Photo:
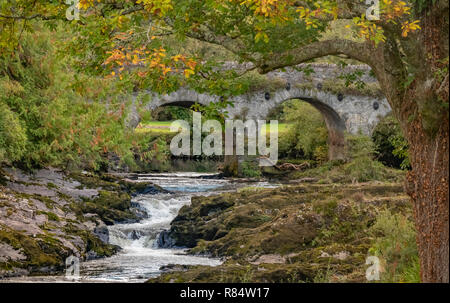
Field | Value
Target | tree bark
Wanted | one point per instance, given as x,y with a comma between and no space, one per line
425,119
427,184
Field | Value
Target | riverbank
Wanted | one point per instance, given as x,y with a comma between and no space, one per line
319,226
50,215
306,232
140,257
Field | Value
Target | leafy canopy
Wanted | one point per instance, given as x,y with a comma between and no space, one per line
127,39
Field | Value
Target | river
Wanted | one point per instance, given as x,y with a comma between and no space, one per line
140,257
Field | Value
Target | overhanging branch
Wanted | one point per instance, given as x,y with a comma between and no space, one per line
361,51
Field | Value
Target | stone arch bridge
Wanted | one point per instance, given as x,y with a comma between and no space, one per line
344,110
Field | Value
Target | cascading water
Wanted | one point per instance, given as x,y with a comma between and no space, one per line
140,257
162,208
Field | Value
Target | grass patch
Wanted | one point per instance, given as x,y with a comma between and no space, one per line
282,128
156,127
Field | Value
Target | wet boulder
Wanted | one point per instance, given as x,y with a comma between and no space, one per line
102,233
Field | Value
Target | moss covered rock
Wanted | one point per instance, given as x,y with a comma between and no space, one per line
309,233
47,216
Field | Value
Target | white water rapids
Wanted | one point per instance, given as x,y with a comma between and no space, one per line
140,257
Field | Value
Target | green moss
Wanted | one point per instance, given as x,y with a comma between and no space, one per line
4,178
51,185
326,208
337,86
257,82
362,169
120,201
94,181
93,243
42,251
109,182
49,203
111,207
242,273
321,231
50,215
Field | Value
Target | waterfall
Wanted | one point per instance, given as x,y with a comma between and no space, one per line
140,257
161,208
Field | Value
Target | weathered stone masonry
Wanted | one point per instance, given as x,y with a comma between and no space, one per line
351,112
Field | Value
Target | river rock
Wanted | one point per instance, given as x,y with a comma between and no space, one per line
173,267
139,211
47,216
102,233
164,240
294,233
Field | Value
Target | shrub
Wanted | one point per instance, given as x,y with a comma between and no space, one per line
395,244
321,153
12,135
250,169
361,152
50,115
307,134
391,146
169,113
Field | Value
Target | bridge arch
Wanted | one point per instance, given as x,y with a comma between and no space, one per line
342,113
335,126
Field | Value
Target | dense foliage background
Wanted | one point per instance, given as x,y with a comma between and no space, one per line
53,114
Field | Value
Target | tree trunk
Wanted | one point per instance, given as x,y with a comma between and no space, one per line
427,130
231,166
427,184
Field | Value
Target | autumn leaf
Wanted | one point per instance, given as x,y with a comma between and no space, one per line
188,73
